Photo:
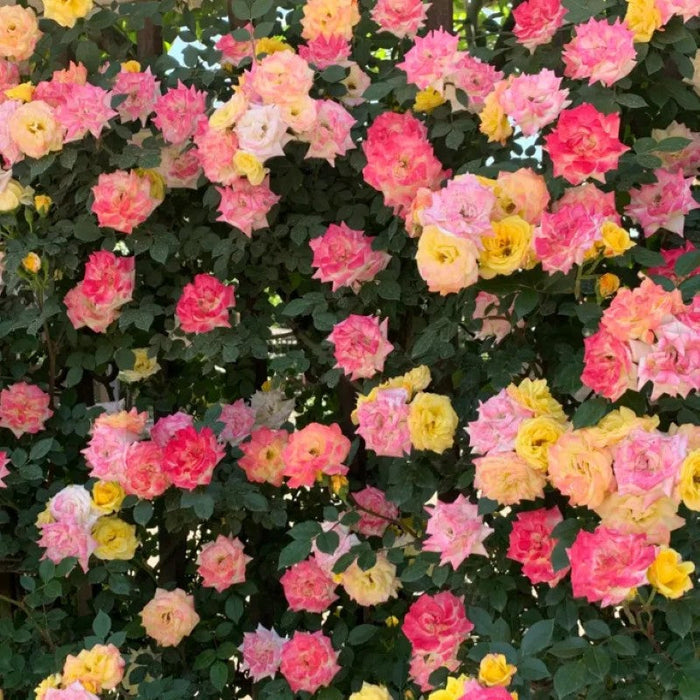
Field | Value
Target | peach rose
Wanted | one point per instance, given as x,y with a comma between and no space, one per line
169,617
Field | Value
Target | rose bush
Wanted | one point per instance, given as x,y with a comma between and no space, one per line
349,353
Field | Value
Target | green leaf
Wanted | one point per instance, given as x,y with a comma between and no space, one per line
623,645
296,307
293,553
569,678
305,531
40,449
143,511
204,659
631,100
590,412
234,608
532,669
672,144
597,662
101,625
537,637
596,629
525,302
579,11
333,74
218,674
361,634
679,617
327,542
687,263
646,257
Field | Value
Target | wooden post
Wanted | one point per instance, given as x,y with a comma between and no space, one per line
440,15
149,42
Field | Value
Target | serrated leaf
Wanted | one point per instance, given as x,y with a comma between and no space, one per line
361,634
294,552
218,674
590,412
569,678
537,637
687,263
101,625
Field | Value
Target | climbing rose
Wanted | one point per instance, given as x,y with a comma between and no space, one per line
238,419
35,130
204,305
313,451
123,200
431,59
24,408
361,345
75,691
308,587
179,112
190,456
402,18
4,471
375,511
86,110
608,367
167,426
222,563
19,32
169,617
309,661
345,257
99,668
326,51
606,565
246,206
537,21
262,456
383,423
584,144
144,476
141,89
329,18
531,543
66,538
262,653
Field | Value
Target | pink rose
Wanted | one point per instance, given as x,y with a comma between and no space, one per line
169,617
75,691
238,419
246,206
309,661
86,110
4,471
361,345
262,653
179,111
262,456
383,423
74,504
142,90
67,538
313,451
584,144
222,563
330,135
144,476
326,51
308,587
122,200
608,367
402,18
167,426
375,511
537,21
24,408
190,456
204,305
431,58
497,425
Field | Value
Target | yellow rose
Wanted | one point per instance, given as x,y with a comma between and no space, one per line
35,129
447,263
635,514
97,669
617,424
31,262
453,690
643,18
669,575
131,67
22,92
615,239
115,538
249,166
45,517
66,12
432,422
427,100
534,437
228,114
270,44
690,481
53,681
369,691
494,122
374,586
107,496
608,284
495,670
42,204
10,196
507,249
144,367
535,395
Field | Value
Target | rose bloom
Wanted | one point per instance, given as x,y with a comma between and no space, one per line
373,586
534,437
495,671
447,263
507,478
86,110
689,485
222,563
606,565
456,531
122,200
107,497
109,279
179,111
369,691
422,666
75,691
169,617
179,167
262,456
35,130
402,18
262,132
144,476
534,101
600,51
584,144
581,468
4,471
330,135
493,120
262,653
497,424
507,247
238,419
534,394
521,193
204,305
608,367
246,206
66,12
531,543
663,204
431,59
326,51
477,78
684,157
116,539
619,423
190,456
65,538
494,323
24,408
345,257
309,661
643,18
74,504
432,422
437,624
361,345
167,426
281,78
375,511
537,21
669,575
19,32
329,18
100,668
308,587
671,256
383,423
313,451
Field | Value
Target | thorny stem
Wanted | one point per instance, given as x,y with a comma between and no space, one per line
42,630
